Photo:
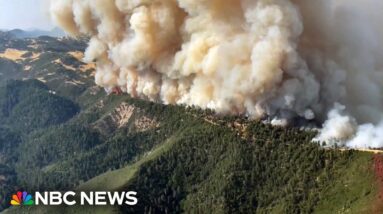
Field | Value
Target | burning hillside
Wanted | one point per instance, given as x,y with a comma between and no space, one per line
283,59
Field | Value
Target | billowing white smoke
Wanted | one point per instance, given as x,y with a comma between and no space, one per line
278,58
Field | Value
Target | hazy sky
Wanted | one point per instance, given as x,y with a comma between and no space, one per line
24,14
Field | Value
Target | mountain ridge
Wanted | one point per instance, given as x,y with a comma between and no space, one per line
33,33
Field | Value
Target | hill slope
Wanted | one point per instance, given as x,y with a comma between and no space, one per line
61,132
190,164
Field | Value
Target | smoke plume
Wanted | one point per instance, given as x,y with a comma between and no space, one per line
285,59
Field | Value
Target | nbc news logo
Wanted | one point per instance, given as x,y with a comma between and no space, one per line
72,198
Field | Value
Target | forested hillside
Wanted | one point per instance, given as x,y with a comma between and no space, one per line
61,132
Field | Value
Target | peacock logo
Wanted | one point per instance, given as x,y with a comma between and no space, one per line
22,199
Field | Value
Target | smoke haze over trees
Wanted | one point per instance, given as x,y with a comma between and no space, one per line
317,60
